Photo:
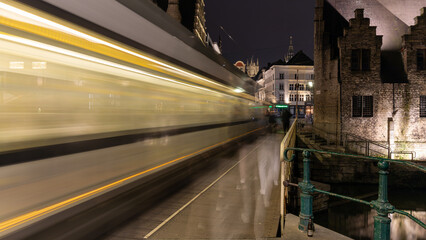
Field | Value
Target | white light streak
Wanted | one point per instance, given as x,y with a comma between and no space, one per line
92,59
100,41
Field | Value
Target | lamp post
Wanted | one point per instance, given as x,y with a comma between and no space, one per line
297,94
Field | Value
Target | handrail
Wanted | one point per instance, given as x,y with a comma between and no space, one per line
289,140
381,205
403,162
366,140
368,143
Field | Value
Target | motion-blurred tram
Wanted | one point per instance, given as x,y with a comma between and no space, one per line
96,97
62,83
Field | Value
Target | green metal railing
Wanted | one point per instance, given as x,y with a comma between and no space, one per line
381,205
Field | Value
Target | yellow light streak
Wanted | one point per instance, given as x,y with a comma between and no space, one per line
14,222
88,37
93,59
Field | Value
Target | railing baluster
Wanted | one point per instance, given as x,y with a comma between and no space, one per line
306,198
381,205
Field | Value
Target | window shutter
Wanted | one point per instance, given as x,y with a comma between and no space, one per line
356,106
355,59
366,57
367,108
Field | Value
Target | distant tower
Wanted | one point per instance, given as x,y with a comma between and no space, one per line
252,68
200,21
290,52
173,10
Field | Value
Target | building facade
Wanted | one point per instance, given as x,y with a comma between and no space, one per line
291,83
190,13
371,79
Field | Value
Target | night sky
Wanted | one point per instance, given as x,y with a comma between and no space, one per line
261,28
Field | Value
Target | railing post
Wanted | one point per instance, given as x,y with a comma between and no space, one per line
381,205
306,198
367,148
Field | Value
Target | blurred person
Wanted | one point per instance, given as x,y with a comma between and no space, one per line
285,116
272,122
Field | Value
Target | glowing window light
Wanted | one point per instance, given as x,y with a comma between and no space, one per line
238,90
39,65
97,40
16,65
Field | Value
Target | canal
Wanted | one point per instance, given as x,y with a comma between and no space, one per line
356,220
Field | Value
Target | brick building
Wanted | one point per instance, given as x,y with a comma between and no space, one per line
370,74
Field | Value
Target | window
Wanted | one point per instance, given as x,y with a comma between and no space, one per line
296,76
421,63
301,86
422,106
362,106
312,76
281,97
301,98
308,98
281,86
291,97
281,75
291,86
360,59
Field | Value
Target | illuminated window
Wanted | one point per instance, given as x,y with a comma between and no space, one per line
422,106
291,86
421,63
281,75
360,59
16,65
362,106
281,86
39,65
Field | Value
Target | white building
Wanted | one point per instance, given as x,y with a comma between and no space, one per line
260,95
291,83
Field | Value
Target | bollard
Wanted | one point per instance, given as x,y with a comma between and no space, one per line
306,198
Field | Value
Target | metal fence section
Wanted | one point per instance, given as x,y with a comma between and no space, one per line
381,205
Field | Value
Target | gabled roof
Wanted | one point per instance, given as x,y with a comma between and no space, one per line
300,59
259,74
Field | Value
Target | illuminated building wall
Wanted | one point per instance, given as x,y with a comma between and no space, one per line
370,81
281,80
190,13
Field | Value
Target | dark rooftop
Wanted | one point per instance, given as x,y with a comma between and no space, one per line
300,59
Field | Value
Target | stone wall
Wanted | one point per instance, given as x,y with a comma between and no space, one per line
328,26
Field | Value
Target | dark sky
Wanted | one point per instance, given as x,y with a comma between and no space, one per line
261,28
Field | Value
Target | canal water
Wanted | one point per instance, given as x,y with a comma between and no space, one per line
356,220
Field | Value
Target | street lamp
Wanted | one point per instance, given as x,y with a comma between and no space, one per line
297,94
